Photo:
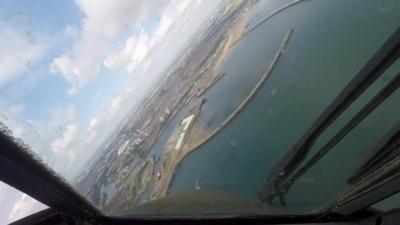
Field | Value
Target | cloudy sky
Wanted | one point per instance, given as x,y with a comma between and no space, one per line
15,205
71,69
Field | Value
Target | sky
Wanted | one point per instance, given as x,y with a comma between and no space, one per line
15,205
71,70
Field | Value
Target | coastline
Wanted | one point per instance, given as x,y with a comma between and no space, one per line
172,162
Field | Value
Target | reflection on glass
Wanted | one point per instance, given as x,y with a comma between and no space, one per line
190,104
16,205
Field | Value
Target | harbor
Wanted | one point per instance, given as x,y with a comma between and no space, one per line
175,150
173,156
261,93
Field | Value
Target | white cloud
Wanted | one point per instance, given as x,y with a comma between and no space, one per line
33,133
110,115
135,50
63,144
25,206
19,51
179,21
82,64
53,139
61,141
60,116
110,18
103,22
8,198
64,148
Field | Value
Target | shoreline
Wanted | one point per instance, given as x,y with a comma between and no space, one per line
172,156
162,187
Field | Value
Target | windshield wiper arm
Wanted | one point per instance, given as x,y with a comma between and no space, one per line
382,59
360,116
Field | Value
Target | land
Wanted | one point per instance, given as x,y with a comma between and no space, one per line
175,150
173,156
125,173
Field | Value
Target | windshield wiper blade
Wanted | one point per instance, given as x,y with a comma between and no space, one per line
389,89
386,152
388,53
384,182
